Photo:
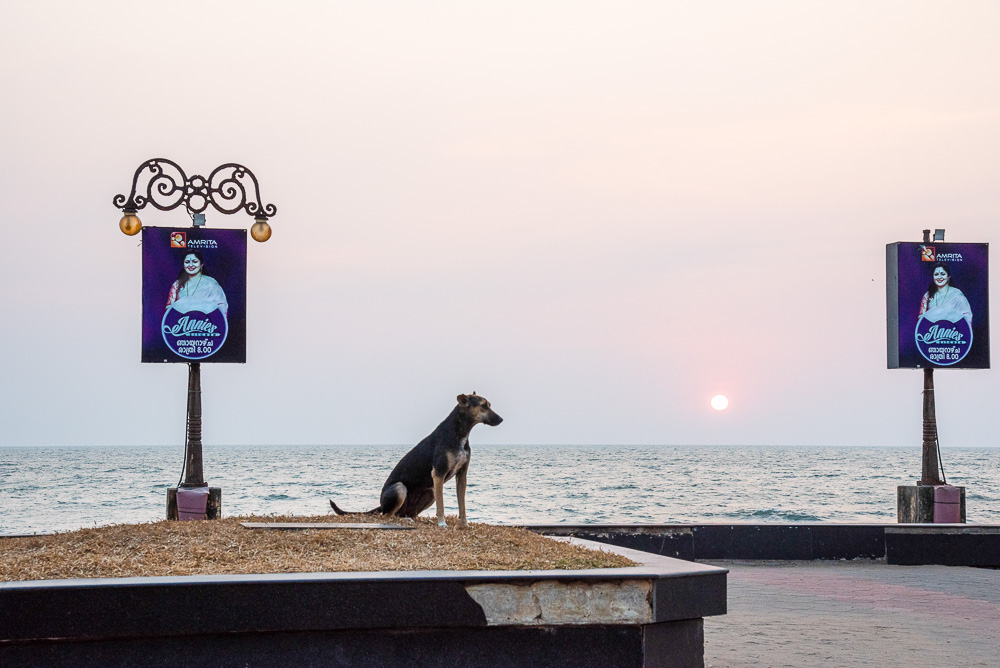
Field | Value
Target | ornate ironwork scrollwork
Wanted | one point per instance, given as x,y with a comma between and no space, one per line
229,188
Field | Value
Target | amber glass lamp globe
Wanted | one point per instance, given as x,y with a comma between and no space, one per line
130,223
260,231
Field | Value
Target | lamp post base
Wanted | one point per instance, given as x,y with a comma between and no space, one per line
930,504
196,503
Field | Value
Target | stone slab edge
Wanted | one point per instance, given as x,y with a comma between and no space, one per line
303,526
623,601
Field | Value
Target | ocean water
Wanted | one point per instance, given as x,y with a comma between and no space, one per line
60,489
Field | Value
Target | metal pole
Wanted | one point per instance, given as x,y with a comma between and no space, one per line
194,474
929,470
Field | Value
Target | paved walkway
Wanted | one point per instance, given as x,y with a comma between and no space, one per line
839,613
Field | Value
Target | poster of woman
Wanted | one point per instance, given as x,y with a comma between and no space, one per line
194,295
194,290
938,305
944,330
944,301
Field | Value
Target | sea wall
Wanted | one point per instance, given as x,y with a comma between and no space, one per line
903,544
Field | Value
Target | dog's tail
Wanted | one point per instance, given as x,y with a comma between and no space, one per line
345,512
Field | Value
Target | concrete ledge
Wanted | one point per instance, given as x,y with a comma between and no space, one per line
373,618
943,544
946,544
695,542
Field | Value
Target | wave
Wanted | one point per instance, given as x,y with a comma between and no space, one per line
783,515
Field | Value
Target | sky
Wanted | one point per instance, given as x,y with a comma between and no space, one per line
596,214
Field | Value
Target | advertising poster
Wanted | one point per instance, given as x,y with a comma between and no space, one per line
194,295
938,305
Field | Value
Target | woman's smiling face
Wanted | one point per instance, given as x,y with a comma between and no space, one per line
192,265
940,277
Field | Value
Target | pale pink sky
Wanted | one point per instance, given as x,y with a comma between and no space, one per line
596,214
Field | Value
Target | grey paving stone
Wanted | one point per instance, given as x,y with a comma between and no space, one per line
858,613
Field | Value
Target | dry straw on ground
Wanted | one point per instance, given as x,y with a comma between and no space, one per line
224,546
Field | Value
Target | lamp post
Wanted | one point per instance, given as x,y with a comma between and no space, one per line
942,339
229,188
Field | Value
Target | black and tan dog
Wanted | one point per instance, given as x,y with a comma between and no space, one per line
419,477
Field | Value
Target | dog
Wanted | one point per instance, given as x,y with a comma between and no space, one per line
419,477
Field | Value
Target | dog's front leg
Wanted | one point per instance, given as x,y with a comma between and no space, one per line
460,479
439,497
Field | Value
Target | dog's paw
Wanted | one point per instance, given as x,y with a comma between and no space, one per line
462,524
442,523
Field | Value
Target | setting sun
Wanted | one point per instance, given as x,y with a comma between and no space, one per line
720,402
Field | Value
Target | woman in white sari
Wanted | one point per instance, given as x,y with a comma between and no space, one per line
194,291
943,301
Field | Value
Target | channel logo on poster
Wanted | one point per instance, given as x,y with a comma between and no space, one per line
178,239
927,253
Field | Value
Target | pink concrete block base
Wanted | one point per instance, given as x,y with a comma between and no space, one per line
947,504
192,503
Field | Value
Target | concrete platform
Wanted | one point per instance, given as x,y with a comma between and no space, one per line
647,616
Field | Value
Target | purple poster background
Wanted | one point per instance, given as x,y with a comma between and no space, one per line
952,342
209,326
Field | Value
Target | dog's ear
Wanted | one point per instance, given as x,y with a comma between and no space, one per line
463,400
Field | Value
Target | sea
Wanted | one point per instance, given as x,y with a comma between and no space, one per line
57,489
